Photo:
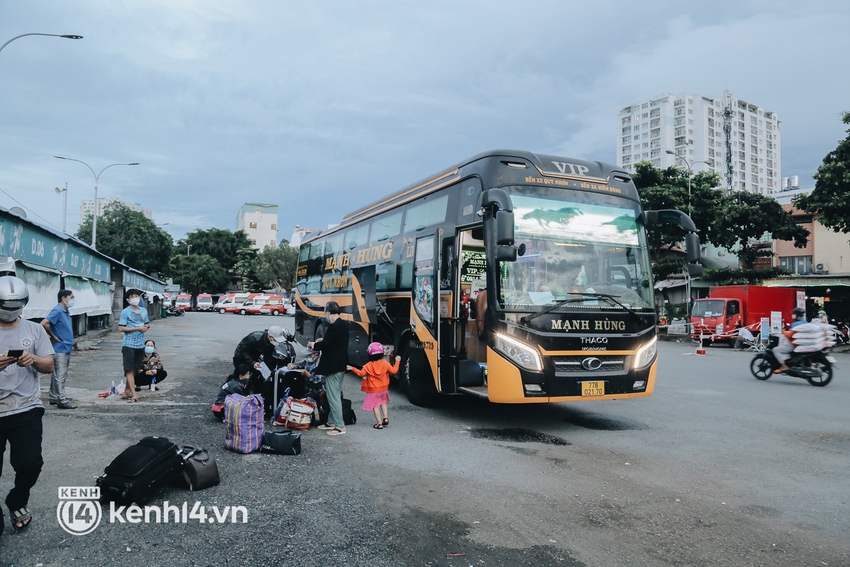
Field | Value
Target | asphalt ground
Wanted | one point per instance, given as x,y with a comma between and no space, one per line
716,468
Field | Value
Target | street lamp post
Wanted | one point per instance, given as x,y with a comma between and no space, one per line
690,165
65,36
65,213
96,179
188,247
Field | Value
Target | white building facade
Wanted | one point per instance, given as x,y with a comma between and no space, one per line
737,139
87,207
259,221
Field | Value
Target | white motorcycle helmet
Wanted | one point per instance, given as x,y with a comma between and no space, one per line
14,295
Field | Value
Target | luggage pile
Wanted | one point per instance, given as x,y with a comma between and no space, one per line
142,470
812,337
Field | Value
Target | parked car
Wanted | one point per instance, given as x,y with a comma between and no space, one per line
236,306
272,306
204,302
229,300
184,302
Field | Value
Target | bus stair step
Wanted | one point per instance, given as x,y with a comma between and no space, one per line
477,391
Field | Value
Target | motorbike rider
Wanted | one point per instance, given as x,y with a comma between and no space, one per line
785,348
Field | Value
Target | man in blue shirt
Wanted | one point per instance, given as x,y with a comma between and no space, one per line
61,333
133,323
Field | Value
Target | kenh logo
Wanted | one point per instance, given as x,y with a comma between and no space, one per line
79,510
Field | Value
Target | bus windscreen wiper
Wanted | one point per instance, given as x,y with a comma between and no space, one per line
558,303
580,296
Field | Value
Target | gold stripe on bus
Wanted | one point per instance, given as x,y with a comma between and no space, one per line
375,213
403,193
424,337
340,301
361,302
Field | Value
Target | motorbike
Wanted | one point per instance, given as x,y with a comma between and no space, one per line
172,311
842,332
816,367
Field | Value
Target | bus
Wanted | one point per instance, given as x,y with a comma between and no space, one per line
511,276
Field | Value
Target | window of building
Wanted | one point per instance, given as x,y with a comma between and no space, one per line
252,225
253,242
796,264
273,242
274,226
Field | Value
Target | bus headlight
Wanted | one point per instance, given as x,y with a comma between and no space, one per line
522,354
646,353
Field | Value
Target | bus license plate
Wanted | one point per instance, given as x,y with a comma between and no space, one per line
593,388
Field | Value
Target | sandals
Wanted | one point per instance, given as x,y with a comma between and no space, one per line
22,516
378,426
336,431
386,421
327,426
132,400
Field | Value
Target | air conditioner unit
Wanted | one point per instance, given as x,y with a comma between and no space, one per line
822,268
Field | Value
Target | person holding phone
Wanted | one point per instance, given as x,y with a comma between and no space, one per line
61,333
25,350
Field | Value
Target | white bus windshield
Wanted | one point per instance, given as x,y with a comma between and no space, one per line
576,243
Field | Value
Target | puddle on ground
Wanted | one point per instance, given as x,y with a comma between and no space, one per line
604,423
518,435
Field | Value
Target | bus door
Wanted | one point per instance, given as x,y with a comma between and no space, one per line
423,363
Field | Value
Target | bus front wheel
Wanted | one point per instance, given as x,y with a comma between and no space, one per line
416,396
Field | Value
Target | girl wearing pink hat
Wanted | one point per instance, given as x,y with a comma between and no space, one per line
376,383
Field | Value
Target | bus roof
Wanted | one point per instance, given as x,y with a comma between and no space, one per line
512,168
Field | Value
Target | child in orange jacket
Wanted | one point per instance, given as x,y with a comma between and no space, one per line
376,383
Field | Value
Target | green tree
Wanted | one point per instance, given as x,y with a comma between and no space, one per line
275,266
745,217
223,245
131,237
734,221
198,273
830,200
244,267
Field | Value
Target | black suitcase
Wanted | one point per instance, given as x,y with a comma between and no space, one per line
348,415
276,385
140,471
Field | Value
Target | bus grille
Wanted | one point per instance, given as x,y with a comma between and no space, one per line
589,365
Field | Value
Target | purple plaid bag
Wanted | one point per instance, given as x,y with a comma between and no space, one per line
243,417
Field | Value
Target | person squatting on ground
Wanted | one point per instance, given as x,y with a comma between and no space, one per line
376,383
61,333
314,384
237,383
133,323
151,372
26,351
332,364
257,347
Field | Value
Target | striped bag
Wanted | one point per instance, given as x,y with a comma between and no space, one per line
243,417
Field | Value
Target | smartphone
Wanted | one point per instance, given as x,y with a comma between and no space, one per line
15,353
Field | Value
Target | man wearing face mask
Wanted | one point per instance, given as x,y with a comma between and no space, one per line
24,352
61,333
133,323
253,349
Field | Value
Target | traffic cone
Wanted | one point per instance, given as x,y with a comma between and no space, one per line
700,348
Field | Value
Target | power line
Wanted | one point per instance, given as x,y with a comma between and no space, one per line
33,212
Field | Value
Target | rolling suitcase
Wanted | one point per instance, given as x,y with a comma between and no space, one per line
140,471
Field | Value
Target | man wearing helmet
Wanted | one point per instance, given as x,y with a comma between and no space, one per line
785,348
25,350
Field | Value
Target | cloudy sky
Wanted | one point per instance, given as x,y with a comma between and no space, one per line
323,106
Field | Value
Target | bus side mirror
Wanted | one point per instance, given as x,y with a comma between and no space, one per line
504,228
506,253
692,247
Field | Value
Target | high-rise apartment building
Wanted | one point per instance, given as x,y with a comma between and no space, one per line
259,221
737,139
87,207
